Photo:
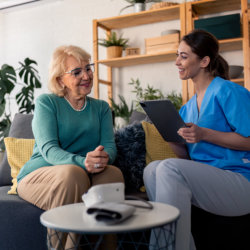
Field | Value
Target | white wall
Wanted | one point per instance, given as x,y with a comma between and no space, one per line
37,29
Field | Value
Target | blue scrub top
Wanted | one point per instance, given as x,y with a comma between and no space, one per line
225,107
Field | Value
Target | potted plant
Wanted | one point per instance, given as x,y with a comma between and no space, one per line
139,5
115,45
151,93
25,76
121,111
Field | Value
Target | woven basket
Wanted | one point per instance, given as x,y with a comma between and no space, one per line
162,5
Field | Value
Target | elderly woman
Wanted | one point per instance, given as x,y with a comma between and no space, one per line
74,140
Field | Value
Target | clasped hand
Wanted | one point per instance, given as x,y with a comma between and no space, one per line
96,160
192,133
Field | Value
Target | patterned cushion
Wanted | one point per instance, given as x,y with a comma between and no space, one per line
156,147
19,152
20,128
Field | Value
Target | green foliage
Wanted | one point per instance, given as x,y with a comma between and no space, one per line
114,40
151,93
26,76
176,99
122,109
141,1
136,1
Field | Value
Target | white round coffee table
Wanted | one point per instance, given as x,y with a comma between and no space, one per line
74,218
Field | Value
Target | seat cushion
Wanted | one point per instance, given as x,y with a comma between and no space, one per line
20,223
20,128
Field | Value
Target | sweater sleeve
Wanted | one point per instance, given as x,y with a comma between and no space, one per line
107,133
45,129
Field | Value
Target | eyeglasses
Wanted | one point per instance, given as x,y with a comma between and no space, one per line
78,72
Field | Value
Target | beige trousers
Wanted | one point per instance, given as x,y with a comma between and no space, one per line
54,186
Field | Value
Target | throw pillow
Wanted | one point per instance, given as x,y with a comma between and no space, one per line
20,128
156,147
19,151
130,143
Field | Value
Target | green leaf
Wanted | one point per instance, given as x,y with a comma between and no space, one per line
151,93
7,78
29,74
122,109
25,100
114,40
2,107
4,131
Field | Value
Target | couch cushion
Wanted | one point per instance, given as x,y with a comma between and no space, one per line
19,151
20,128
156,147
136,116
20,222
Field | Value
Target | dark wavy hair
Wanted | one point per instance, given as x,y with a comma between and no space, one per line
204,44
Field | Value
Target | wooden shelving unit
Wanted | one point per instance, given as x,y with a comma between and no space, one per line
176,12
195,10
186,13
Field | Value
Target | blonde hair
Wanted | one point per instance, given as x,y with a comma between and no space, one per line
58,65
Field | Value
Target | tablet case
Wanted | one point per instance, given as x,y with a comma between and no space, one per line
165,117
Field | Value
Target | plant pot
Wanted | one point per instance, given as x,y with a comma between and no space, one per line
114,51
138,7
120,122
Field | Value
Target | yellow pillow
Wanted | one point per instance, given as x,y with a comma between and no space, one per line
156,147
19,152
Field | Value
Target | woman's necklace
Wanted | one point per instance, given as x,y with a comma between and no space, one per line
81,109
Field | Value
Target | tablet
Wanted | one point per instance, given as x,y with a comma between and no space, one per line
165,117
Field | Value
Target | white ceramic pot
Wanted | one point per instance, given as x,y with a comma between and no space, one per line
149,5
120,122
138,7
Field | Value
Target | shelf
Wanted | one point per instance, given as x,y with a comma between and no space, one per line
238,80
139,59
231,44
225,45
144,17
205,7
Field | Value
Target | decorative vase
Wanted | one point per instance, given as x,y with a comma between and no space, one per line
114,51
120,122
138,7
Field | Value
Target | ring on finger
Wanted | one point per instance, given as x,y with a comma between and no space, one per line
96,165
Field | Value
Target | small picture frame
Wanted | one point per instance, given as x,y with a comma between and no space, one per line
132,51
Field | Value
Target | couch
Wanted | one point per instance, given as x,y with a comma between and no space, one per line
20,227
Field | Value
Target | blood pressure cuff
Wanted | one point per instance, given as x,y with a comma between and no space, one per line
110,212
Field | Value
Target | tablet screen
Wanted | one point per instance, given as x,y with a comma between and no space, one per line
165,117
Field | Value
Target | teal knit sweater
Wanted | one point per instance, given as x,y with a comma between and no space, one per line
65,136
